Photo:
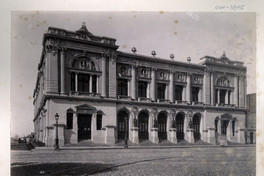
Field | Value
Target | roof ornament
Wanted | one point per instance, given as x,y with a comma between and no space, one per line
134,50
224,54
153,53
172,57
84,30
189,59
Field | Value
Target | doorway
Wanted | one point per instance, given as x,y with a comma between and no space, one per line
84,126
143,125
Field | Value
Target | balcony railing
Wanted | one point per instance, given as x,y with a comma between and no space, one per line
144,99
181,102
197,103
163,100
81,93
124,97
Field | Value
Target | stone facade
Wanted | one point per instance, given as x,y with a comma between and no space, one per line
105,95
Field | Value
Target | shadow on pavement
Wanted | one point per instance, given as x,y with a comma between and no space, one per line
61,169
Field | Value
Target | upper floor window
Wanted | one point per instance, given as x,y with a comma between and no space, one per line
161,91
122,87
178,92
222,96
195,92
83,82
142,89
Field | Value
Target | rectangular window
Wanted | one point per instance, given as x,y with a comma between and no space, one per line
72,82
122,87
69,120
94,83
99,122
178,92
83,82
161,91
222,96
233,128
142,89
195,92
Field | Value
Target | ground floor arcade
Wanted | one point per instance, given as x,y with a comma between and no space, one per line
110,123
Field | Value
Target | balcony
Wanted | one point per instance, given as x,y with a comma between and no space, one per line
163,101
196,103
144,99
225,105
80,93
180,102
124,97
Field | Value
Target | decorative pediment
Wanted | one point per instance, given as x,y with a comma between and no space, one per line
223,82
144,72
180,77
123,70
85,109
197,79
226,116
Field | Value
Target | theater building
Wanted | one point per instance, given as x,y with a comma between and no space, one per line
104,95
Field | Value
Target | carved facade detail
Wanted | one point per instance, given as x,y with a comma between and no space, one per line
180,77
197,79
144,72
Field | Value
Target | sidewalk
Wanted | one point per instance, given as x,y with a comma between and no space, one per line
94,147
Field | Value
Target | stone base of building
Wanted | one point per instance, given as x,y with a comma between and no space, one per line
189,136
154,135
173,135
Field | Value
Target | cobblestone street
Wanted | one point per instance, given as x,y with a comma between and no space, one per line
170,161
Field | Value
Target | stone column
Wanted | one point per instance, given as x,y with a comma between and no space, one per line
200,99
133,84
235,95
90,83
188,88
241,136
212,89
62,71
103,83
218,96
226,97
206,87
153,84
154,135
97,84
171,87
76,82
148,90
241,90
184,93
74,136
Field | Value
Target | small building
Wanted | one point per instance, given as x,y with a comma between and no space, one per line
105,95
251,119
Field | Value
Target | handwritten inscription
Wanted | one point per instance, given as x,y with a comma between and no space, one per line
230,7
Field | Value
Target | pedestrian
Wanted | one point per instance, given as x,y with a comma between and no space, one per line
19,141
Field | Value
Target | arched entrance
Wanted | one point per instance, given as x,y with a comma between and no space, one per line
162,125
180,125
122,124
143,118
196,127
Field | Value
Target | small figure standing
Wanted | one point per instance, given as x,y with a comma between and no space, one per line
19,141
190,124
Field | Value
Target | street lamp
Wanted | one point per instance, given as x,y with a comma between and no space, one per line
57,138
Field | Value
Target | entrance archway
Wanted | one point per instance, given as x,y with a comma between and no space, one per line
143,119
180,126
122,124
162,125
84,126
196,127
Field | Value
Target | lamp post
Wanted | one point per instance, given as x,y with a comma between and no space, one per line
57,138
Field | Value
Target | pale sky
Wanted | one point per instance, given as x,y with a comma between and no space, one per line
182,34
